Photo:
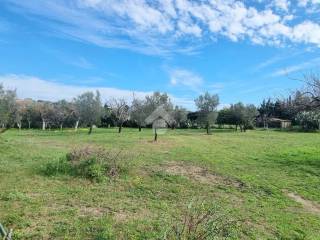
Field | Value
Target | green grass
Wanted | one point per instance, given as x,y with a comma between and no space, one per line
146,201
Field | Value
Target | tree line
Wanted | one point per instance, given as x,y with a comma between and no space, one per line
87,110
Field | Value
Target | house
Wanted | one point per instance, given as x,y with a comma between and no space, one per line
279,123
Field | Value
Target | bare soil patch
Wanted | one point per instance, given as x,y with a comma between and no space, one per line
125,216
93,211
200,174
308,206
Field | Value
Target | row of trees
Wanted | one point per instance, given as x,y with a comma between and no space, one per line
302,107
87,110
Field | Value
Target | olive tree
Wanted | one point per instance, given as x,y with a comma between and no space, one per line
46,112
120,109
89,108
157,99
63,110
207,105
138,112
179,115
7,107
244,115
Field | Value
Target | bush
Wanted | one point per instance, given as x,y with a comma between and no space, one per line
58,167
95,164
200,221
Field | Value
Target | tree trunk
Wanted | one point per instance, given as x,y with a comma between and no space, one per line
265,123
120,128
139,128
236,127
155,135
43,125
76,126
29,123
61,126
19,126
208,128
90,129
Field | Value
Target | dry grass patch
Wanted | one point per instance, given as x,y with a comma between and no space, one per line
125,216
308,206
96,212
200,174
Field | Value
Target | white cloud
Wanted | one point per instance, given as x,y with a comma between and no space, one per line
307,32
182,77
40,89
33,87
282,4
305,3
163,27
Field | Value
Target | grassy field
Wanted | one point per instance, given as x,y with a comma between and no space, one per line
268,181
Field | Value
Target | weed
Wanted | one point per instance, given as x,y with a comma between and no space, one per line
95,164
201,221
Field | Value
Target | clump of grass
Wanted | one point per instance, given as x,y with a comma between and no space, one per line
62,166
96,164
201,221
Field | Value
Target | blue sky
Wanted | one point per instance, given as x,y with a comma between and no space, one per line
242,50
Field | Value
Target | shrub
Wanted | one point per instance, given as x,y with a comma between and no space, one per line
96,164
309,120
58,167
201,222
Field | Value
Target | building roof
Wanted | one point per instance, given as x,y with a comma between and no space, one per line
279,120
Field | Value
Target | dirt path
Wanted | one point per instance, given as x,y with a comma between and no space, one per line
307,205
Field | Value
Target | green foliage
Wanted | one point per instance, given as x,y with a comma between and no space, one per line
138,112
207,102
95,164
92,169
207,105
309,120
62,166
240,115
8,107
202,221
89,108
180,117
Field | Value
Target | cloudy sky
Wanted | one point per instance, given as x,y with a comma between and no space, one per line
242,50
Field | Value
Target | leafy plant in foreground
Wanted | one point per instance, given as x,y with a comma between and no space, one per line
96,164
202,222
